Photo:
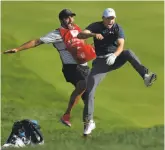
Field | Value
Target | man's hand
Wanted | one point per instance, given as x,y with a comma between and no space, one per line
99,36
111,59
10,51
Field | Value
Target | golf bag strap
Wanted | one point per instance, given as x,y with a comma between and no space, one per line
14,131
31,127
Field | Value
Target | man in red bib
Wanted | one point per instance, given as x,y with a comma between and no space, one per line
81,51
74,54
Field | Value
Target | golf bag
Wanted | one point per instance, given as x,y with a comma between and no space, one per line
24,132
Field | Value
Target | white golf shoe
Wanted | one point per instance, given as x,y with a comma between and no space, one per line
89,126
149,79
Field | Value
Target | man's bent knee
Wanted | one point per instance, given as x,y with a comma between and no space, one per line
127,52
81,85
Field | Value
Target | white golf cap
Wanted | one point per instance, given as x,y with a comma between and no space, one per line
109,12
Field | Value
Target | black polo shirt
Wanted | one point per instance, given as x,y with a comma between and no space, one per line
109,43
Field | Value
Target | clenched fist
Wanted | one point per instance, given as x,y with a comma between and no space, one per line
99,36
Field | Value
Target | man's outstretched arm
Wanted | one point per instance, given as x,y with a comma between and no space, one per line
27,45
87,34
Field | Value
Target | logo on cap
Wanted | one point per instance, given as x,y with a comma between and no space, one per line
109,12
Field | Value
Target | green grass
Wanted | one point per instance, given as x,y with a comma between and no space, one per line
128,115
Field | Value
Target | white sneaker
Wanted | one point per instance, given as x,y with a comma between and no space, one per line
149,79
89,126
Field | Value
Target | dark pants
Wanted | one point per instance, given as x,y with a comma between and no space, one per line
99,71
73,73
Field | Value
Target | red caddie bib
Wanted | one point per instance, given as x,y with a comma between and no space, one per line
80,51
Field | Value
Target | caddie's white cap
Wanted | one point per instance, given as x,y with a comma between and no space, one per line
109,12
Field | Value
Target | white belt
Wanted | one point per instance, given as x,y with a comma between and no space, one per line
103,56
85,64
